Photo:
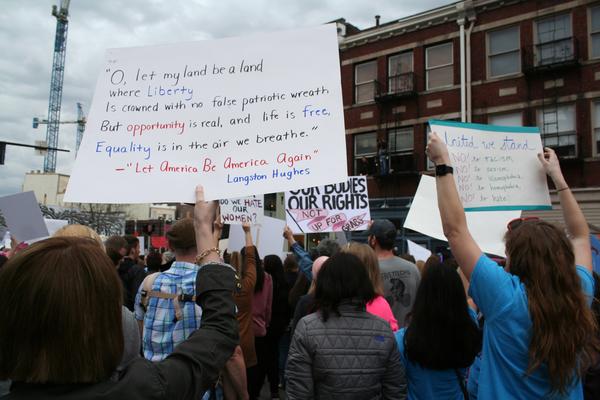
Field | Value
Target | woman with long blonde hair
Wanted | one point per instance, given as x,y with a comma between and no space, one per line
539,332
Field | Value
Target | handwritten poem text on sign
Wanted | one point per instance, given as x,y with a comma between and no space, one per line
495,168
330,208
240,116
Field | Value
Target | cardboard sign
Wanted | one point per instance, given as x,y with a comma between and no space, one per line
23,216
330,208
496,167
486,227
268,237
241,116
249,210
417,251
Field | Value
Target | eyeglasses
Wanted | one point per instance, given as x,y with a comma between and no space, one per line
517,222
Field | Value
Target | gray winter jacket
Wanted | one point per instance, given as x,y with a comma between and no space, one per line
353,356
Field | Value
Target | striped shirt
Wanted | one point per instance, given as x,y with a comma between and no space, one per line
162,332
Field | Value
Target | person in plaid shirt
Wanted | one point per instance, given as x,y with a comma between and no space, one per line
166,322
166,309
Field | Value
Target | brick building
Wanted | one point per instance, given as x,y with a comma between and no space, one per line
530,63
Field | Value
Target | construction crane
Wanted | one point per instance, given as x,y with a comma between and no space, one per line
80,121
56,82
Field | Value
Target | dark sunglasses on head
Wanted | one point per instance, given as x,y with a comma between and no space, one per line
517,222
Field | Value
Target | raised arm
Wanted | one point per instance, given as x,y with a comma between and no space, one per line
304,261
454,221
217,227
249,277
195,363
575,222
204,218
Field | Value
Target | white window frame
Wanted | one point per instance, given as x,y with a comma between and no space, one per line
357,84
595,129
389,69
367,155
489,55
592,33
520,113
559,133
537,44
427,68
401,152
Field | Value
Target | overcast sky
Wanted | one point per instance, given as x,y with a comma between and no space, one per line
27,31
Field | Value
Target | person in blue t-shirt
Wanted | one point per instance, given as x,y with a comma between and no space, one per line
442,338
539,332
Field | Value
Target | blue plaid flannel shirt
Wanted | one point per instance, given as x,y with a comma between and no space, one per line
162,332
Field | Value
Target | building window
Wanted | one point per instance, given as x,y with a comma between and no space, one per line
557,126
595,32
270,202
503,52
365,153
438,62
512,119
554,40
365,76
400,149
400,77
596,137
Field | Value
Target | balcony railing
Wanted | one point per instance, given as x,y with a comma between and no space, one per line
401,85
555,54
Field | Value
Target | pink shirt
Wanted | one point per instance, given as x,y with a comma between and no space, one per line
261,307
381,308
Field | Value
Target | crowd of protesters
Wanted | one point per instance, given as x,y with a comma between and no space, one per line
84,318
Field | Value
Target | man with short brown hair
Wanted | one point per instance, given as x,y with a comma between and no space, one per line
165,305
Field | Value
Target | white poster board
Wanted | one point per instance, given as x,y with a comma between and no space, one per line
23,216
486,227
241,116
417,251
268,237
331,208
496,167
242,210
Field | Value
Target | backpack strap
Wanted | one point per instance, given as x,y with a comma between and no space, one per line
147,292
146,289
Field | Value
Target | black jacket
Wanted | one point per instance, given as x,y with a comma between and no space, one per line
132,276
186,373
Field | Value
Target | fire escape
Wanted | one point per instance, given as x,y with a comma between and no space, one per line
546,63
390,96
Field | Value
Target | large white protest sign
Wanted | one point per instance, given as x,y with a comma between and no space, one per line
496,167
486,227
241,116
338,207
268,237
242,210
